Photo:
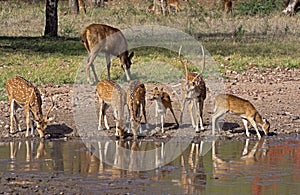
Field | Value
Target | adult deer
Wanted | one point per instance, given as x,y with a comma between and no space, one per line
111,41
22,93
229,103
136,100
111,93
194,94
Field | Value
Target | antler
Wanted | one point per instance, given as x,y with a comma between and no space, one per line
50,108
203,65
183,64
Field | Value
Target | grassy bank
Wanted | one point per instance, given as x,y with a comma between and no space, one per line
234,41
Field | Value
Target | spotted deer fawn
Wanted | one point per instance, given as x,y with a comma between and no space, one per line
111,41
163,102
136,102
22,93
111,94
194,94
229,103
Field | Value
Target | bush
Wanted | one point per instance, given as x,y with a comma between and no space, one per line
258,7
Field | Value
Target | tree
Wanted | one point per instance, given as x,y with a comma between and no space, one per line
51,18
73,6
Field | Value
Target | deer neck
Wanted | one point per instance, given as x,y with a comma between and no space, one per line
258,119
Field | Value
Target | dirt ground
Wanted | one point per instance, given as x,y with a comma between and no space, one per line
274,92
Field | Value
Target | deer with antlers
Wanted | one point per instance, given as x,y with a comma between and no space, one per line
229,103
111,41
111,93
22,93
193,94
136,101
163,102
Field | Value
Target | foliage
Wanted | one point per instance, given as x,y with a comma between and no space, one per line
258,7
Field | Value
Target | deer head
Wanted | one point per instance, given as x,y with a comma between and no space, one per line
22,93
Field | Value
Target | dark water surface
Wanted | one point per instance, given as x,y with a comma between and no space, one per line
266,166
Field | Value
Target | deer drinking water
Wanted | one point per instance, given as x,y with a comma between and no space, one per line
229,103
111,93
22,93
111,41
194,94
136,101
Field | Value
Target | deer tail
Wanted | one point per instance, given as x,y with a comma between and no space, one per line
84,40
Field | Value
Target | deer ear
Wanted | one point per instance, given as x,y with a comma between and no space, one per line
162,89
155,88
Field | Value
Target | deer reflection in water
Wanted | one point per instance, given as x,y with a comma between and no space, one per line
15,150
223,170
123,158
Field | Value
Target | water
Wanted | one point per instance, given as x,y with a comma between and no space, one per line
268,166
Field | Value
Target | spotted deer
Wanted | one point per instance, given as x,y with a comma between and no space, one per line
160,4
174,4
163,102
22,93
136,102
81,5
193,94
225,103
111,94
111,41
228,6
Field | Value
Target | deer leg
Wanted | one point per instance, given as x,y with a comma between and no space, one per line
90,64
94,72
201,114
107,56
196,106
215,117
31,125
27,121
156,115
117,118
13,117
172,111
100,115
245,122
253,123
105,117
190,107
162,122
181,112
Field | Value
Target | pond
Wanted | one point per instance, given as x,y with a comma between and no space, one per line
238,166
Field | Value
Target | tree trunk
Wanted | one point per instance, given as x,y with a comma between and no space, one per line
73,7
51,18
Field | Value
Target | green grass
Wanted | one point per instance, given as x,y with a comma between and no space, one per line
269,41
